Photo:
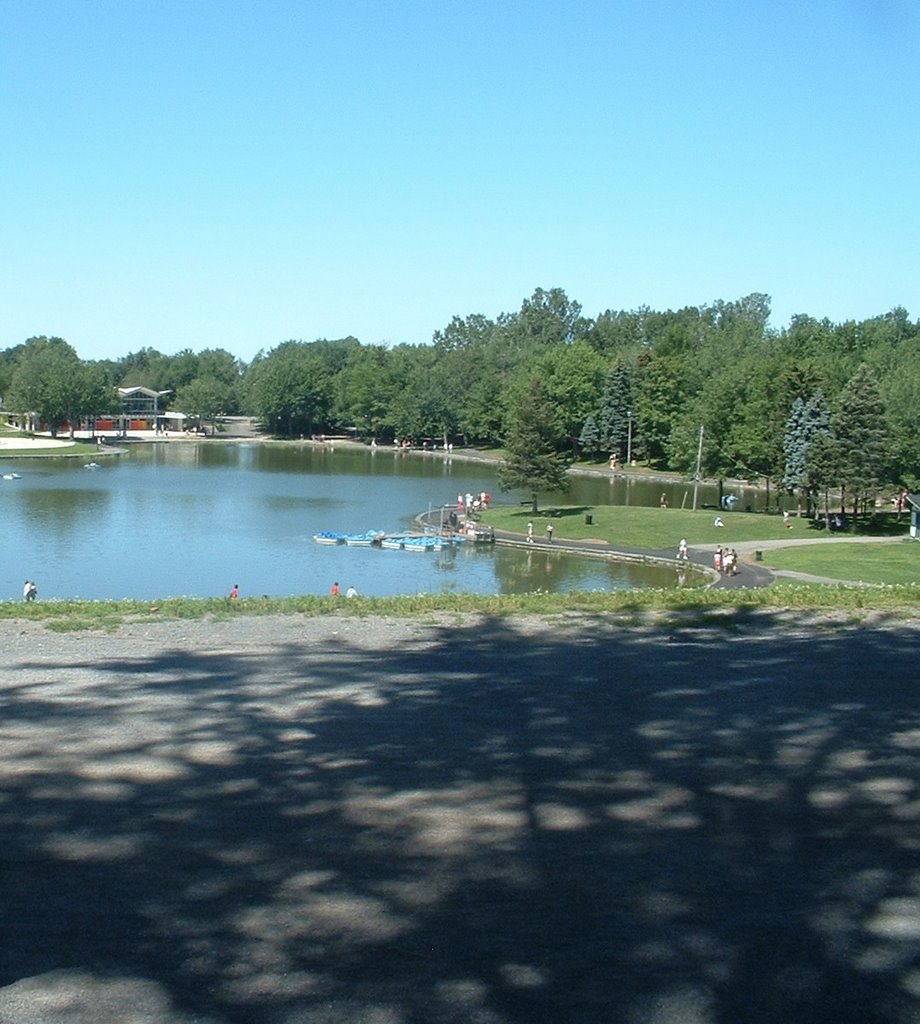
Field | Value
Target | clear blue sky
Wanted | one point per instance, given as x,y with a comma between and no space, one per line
230,174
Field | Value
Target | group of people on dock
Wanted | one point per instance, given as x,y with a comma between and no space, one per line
469,502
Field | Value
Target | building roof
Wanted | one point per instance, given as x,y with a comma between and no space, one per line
128,392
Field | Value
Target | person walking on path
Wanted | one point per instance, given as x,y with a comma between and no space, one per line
682,552
549,533
530,533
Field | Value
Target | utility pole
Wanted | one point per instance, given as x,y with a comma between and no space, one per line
699,462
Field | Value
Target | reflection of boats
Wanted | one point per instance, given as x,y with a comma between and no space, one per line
327,537
363,540
92,465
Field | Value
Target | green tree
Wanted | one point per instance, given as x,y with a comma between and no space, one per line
660,393
292,388
589,440
363,392
862,431
825,463
571,376
47,382
95,391
534,462
807,421
550,318
205,398
618,411
9,359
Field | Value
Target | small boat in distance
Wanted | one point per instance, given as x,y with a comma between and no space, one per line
364,540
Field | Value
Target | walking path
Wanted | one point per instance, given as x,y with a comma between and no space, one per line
750,573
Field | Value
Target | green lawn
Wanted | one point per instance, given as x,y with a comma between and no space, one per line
70,451
651,528
27,451
867,563
655,529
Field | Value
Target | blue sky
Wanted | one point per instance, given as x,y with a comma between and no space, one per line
235,174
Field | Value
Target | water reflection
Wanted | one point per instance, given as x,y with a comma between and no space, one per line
192,519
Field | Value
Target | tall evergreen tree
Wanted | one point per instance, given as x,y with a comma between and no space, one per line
589,440
534,461
618,409
861,429
807,420
824,464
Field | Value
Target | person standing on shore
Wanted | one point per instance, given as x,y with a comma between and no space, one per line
235,592
29,590
334,591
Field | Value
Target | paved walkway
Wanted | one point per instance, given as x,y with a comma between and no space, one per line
750,573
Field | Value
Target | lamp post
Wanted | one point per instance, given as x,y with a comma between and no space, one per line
629,440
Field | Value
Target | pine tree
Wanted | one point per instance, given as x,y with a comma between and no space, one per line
589,440
617,409
807,420
534,461
824,465
862,432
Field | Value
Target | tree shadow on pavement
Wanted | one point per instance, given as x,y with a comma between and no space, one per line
498,821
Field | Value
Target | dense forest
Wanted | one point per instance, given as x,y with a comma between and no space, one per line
816,408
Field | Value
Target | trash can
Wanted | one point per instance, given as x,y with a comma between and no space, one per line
758,556
589,519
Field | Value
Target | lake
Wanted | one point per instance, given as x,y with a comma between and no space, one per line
191,519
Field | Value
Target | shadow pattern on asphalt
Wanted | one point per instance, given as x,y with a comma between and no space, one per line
502,821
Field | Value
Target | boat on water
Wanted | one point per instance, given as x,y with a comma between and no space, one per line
364,540
328,537
425,543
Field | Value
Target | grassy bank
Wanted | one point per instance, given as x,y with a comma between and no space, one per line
661,529
24,446
867,563
65,616
656,529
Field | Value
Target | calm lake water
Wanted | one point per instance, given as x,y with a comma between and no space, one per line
193,519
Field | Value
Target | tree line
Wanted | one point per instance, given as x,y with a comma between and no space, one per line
816,408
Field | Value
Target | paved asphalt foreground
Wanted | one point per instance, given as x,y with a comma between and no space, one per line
709,819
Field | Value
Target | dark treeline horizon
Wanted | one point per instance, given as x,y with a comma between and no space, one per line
641,382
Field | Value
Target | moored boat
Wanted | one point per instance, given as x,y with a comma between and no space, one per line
425,543
364,540
328,537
